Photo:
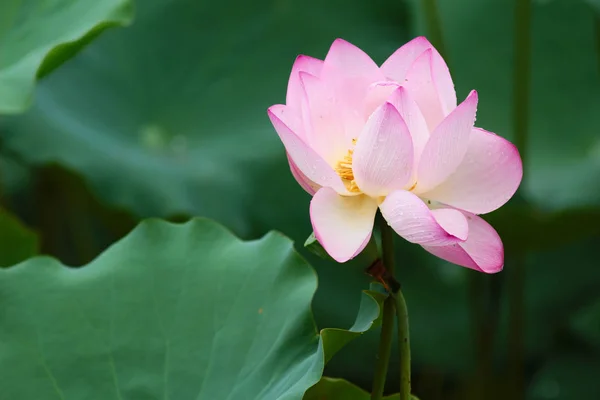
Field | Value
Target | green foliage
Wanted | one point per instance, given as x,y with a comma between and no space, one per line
586,323
176,311
339,389
175,106
369,316
567,377
38,36
312,245
17,242
167,118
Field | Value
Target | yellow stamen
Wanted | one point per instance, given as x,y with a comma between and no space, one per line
344,170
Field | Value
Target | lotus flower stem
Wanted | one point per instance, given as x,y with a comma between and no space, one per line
387,246
597,35
393,303
387,324
385,348
516,278
403,346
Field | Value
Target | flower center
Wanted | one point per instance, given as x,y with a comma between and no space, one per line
344,170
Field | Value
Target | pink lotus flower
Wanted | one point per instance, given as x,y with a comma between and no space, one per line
361,137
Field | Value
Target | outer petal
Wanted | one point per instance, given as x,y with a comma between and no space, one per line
306,159
488,176
447,146
309,186
398,64
414,221
383,157
295,91
342,224
323,120
291,118
483,250
410,112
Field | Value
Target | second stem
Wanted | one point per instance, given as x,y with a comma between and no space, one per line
387,321
394,302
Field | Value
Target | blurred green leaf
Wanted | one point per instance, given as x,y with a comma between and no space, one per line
595,4
17,242
339,389
524,228
184,126
586,323
180,311
561,282
36,37
567,378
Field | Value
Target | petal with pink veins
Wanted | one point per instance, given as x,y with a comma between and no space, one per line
410,112
342,224
295,91
447,146
309,186
410,217
488,176
398,64
482,251
306,159
383,156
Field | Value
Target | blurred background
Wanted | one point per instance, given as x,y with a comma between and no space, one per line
167,118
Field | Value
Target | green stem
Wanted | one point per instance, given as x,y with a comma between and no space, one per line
403,345
484,300
387,246
475,299
387,324
522,69
394,302
434,26
516,278
597,35
385,349
516,345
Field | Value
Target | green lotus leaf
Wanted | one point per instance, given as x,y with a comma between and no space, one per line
38,36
